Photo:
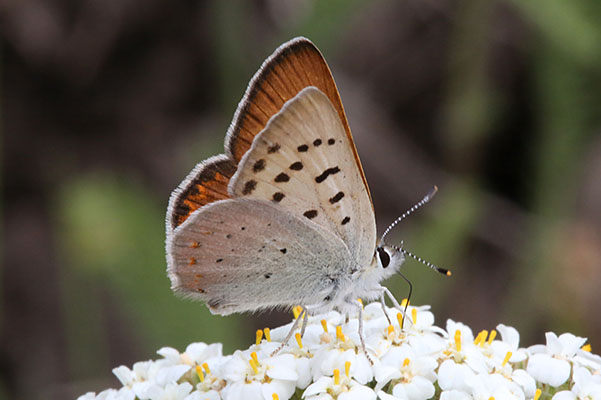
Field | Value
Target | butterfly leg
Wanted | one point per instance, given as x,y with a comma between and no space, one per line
396,304
383,303
379,292
305,320
359,308
301,315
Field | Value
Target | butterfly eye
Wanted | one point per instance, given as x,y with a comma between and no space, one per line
384,257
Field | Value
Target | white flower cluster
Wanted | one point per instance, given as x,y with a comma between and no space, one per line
420,361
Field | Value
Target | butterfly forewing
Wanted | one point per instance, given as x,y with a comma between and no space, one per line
246,254
303,162
292,67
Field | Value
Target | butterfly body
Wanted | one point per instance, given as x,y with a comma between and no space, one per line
284,217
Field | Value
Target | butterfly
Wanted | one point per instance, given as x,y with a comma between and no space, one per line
285,216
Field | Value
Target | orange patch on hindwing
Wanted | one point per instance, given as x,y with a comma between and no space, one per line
206,184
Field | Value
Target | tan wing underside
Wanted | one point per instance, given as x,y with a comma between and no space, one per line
263,257
303,162
292,67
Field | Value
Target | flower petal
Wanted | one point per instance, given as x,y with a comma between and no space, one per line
564,395
358,392
454,395
549,370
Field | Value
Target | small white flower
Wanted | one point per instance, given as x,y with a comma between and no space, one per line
171,391
337,387
587,359
339,346
200,353
170,354
422,321
412,376
326,362
121,394
550,364
461,348
170,374
249,377
139,373
485,386
564,395
565,345
210,395
455,395
453,376
586,385
110,394
510,341
525,381
548,370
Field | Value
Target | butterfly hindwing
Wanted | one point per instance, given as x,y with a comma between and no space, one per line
243,254
206,184
303,161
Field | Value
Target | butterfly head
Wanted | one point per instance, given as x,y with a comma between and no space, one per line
389,259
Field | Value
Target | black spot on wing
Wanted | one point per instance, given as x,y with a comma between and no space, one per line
297,166
259,165
249,187
283,251
346,220
310,214
267,275
317,142
302,148
331,141
282,177
219,260
274,148
337,197
278,196
326,173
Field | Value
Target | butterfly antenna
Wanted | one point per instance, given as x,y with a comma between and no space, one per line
426,263
423,201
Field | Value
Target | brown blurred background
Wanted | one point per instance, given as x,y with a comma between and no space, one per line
107,105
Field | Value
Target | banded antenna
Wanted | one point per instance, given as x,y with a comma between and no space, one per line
443,271
423,201
426,263
407,213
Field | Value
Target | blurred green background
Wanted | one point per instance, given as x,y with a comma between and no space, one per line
106,106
